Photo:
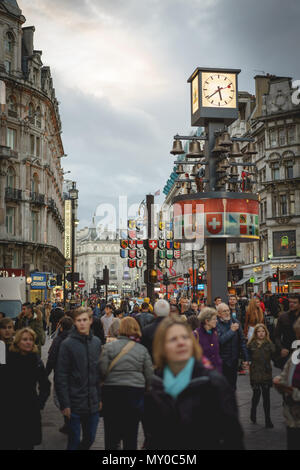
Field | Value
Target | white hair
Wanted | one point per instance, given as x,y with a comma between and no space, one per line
162,308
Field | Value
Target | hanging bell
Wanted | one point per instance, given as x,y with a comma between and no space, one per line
179,169
251,148
225,140
224,163
194,150
218,147
178,184
177,148
234,171
235,150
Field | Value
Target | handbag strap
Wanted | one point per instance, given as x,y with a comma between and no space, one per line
123,351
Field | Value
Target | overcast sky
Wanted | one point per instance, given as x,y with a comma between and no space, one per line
120,70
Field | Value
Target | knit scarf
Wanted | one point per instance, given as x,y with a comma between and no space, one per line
174,385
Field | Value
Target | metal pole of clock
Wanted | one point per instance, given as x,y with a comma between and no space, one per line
215,247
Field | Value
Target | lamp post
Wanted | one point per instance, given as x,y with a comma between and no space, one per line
73,194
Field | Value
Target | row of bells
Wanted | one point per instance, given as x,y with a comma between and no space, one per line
222,144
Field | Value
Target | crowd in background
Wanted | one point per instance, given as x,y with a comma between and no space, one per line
167,366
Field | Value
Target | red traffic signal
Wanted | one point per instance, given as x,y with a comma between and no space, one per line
275,277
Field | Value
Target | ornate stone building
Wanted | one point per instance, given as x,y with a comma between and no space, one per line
273,120
97,248
31,177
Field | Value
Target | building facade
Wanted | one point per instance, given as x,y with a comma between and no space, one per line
31,177
273,120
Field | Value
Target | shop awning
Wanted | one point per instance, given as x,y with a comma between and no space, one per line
242,281
262,279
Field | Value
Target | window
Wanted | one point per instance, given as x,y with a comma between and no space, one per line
31,113
7,66
8,43
10,178
12,107
273,138
38,117
16,260
35,184
282,137
283,204
292,204
275,171
10,220
11,138
289,170
31,137
38,147
265,209
291,132
34,226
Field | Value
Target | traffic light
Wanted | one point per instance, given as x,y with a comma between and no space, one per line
166,280
275,277
59,280
153,276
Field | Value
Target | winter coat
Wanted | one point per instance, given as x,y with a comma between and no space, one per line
284,335
149,333
36,325
261,367
23,402
204,416
55,316
232,343
54,350
291,403
210,345
144,319
77,382
98,330
134,369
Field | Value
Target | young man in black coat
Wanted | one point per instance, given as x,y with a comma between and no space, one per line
284,332
78,380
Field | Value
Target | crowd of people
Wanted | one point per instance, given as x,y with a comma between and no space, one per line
168,366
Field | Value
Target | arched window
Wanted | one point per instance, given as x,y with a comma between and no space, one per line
10,178
9,43
35,183
38,117
12,106
31,113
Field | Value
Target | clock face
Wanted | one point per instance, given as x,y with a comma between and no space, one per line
218,90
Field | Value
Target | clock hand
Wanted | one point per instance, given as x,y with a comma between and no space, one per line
218,90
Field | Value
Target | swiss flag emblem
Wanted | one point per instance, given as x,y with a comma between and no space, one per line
153,244
214,223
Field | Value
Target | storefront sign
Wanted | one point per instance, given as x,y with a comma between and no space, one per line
39,281
12,272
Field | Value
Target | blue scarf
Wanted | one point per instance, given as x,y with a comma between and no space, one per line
174,385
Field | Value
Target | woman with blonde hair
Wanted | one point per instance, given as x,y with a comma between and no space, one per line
254,315
188,406
261,351
207,336
25,373
126,370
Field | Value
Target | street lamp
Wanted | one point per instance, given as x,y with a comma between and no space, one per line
73,195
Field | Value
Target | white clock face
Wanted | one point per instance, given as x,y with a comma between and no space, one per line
218,90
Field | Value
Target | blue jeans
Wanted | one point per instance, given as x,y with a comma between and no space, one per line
89,425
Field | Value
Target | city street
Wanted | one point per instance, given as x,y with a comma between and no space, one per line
256,436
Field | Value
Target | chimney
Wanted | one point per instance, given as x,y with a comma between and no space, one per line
261,88
28,33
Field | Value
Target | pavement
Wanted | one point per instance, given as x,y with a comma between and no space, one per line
257,437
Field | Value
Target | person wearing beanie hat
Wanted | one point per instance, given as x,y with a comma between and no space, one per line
161,310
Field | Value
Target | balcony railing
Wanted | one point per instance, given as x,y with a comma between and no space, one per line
37,198
12,194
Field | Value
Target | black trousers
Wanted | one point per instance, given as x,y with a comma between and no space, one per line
122,411
231,373
293,438
264,390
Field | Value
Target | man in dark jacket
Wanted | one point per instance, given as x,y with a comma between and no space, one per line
284,331
193,310
78,381
161,311
232,343
145,317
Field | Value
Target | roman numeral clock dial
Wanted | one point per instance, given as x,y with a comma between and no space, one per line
218,90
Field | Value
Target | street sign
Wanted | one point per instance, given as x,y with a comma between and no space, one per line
81,284
180,281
